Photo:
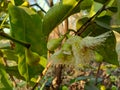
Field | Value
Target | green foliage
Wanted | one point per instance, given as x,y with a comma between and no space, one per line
58,13
86,4
32,58
5,83
81,50
23,67
101,1
28,22
90,86
107,50
13,70
18,2
93,40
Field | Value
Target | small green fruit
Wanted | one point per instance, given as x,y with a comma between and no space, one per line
67,49
32,58
54,43
98,57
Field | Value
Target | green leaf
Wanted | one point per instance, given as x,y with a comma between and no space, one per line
113,9
96,28
5,84
86,4
104,21
35,70
43,61
107,50
94,8
22,67
27,27
10,54
101,1
90,86
118,14
13,70
58,13
80,22
32,58
28,71
105,45
18,2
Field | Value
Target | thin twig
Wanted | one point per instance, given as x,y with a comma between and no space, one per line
41,75
38,7
6,17
88,22
66,25
27,45
97,75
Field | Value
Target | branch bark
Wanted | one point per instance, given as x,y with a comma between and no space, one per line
25,44
43,73
88,22
58,80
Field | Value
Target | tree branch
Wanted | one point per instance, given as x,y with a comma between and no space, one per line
43,73
38,7
97,75
88,22
27,45
66,25
58,73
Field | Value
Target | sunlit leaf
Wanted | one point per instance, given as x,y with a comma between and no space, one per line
22,67
26,26
43,61
5,83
